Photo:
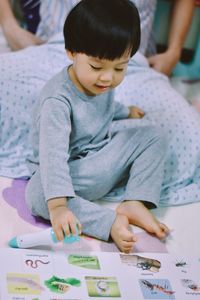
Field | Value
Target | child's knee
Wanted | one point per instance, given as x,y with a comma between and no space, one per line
158,136
28,196
35,199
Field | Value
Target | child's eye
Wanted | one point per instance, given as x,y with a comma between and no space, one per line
95,68
119,70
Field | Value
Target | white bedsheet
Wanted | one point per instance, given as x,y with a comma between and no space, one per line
184,221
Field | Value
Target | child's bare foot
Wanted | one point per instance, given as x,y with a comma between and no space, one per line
139,215
121,235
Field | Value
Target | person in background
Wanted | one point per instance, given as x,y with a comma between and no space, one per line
16,36
45,19
30,23
178,29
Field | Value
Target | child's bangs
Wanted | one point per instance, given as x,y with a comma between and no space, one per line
109,45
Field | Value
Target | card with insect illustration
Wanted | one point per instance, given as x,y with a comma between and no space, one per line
32,274
102,286
156,289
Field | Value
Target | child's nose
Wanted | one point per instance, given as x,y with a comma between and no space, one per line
106,76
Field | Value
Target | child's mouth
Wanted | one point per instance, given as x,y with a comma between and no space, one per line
102,87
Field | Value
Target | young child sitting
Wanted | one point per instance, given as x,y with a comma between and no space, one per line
76,157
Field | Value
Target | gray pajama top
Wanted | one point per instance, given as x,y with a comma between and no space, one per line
67,125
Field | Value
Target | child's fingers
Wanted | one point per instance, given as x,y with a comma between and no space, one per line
59,233
142,113
75,227
67,230
138,113
79,226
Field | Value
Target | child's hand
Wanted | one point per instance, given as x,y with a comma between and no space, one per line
62,219
135,112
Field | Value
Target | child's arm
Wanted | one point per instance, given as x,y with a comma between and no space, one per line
135,112
55,129
62,219
124,112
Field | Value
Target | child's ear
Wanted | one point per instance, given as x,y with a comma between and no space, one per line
70,55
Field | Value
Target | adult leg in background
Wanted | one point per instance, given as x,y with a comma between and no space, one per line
22,75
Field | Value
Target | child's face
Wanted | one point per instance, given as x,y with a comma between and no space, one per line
94,76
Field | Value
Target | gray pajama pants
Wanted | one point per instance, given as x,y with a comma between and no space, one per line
134,159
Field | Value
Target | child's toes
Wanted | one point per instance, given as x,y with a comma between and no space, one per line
131,239
164,228
161,230
127,246
164,231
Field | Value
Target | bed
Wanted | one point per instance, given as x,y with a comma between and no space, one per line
183,220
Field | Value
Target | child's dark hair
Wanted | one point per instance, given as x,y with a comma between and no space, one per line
103,28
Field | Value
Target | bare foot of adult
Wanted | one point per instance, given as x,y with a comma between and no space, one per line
139,215
121,235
